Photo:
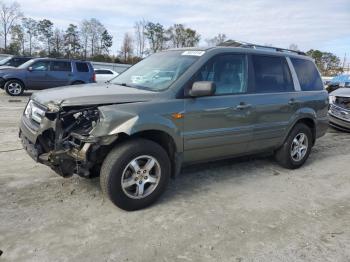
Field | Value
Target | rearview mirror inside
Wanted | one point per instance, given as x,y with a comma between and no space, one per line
202,88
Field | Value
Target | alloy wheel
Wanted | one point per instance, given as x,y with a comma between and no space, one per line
299,147
141,177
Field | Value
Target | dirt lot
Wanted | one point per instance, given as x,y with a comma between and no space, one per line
236,210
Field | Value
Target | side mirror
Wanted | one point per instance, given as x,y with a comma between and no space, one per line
202,88
30,69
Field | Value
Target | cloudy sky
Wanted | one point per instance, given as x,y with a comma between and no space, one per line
317,24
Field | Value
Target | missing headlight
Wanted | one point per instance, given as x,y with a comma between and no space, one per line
80,121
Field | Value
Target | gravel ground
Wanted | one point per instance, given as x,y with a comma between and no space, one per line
233,210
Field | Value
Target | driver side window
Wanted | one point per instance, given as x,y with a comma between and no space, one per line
40,66
228,72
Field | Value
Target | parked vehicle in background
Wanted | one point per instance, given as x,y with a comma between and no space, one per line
137,131
103,75
339,109
42,73
13,61
326,80
338,82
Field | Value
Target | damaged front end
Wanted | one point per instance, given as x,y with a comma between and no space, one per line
63,138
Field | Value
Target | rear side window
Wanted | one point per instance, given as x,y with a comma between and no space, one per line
308,75
82,67
61,66
271,74
103,72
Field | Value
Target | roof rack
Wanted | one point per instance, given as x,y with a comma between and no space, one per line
235,43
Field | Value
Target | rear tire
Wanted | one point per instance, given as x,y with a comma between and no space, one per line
133,186
14,87
296,149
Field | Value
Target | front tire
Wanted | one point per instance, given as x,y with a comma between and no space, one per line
14,88
135,174
296,149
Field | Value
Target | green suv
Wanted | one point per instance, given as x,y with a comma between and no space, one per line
175,108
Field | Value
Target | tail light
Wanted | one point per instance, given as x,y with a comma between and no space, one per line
94,77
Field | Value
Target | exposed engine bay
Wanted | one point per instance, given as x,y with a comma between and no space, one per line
343,102
65,142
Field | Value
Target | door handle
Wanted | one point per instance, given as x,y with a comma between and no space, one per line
242,106
292,101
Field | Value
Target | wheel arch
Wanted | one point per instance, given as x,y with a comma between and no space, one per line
309,122
16,79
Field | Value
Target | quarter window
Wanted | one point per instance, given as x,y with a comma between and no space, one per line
309,78
228,72
271,74
82,67
61,66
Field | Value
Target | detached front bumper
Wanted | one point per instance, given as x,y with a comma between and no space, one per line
339,123
64,161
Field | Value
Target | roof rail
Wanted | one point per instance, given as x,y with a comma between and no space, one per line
235,43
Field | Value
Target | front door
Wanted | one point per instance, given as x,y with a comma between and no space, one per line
220,125
37,77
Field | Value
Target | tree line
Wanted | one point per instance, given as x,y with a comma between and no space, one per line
91,40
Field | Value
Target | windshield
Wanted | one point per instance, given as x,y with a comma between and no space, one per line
157,72
26,64
5,61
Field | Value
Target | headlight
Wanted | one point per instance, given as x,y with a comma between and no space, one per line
28,110
34,112
332,99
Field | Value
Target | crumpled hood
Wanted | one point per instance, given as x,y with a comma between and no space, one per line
343,92
92,94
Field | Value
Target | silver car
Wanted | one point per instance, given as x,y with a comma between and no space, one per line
339,109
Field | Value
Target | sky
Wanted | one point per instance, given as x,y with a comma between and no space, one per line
317,24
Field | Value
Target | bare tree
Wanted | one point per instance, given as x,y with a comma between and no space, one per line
127,47
45,29
293,47
58,43
140,37
9,15
91,32
85,33
31,28
217,40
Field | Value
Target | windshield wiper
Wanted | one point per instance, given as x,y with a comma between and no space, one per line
123,84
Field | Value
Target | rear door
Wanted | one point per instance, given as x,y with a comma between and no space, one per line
60,73
37,77
220,125
275,100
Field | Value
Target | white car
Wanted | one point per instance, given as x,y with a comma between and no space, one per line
103,75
